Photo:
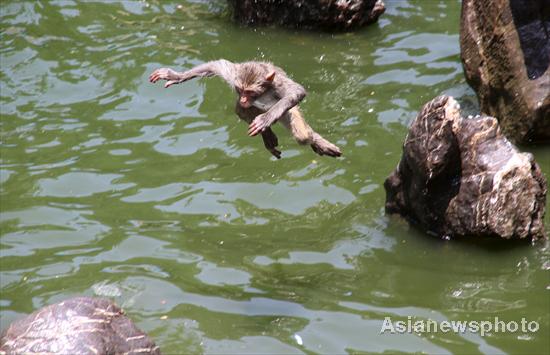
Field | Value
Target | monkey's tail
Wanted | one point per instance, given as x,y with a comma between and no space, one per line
323,147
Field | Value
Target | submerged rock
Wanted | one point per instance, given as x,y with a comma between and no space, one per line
505,51
81,325
309,14
461,177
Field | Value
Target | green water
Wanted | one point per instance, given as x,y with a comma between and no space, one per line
157,198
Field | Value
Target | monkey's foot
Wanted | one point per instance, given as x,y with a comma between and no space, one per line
270,142
323,147
275,153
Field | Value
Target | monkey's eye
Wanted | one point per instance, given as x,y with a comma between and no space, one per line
250,93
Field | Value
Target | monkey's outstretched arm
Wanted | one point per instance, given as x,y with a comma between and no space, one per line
294,93
223,68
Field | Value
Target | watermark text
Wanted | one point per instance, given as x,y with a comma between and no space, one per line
496,325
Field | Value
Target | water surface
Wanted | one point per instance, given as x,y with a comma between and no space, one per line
158,199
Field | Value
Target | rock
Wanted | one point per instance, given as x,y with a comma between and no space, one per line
505,51
308,14
81,325
461,177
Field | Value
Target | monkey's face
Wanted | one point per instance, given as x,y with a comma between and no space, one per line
247,97
251,82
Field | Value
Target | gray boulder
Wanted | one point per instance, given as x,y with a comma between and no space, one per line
461,177
505,51
330,15
81,325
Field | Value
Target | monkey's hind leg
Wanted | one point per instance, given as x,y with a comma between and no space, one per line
304,134
268,136
270,142
323,147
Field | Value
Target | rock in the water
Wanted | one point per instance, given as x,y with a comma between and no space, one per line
461,177
81,325
308,14
505,51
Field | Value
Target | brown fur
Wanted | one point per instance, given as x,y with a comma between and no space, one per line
276,98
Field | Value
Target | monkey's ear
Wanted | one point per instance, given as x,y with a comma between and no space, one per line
270,76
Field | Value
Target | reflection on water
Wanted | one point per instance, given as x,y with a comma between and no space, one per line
158,199
217,198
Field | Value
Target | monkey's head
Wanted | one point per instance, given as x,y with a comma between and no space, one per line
251,82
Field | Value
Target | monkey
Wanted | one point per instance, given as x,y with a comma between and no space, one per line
265,95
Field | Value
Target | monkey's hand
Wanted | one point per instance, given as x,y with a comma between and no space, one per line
260,123
172,76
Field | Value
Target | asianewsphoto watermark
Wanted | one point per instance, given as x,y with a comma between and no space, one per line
482,327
